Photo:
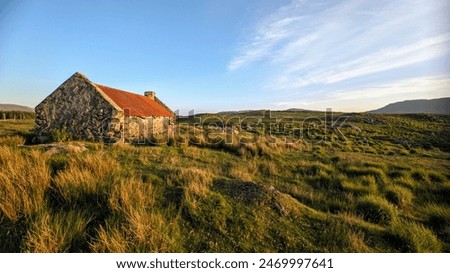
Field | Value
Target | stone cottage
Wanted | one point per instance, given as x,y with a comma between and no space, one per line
91,111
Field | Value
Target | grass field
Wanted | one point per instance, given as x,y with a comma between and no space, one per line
378,183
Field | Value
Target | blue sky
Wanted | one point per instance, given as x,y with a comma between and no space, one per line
215,55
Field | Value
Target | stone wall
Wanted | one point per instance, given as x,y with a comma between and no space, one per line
143,130
79,109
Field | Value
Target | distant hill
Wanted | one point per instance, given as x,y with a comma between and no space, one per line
297,110
239,112
261,111
433,106
15,107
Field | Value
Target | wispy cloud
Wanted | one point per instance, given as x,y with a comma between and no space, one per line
382,60
266,37
311,45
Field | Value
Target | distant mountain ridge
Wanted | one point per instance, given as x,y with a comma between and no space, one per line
433,106
15,107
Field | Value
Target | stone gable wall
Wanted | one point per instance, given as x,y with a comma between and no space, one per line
79,109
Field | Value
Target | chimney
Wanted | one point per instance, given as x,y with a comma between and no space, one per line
150,94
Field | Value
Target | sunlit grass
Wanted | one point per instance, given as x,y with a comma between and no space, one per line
365,194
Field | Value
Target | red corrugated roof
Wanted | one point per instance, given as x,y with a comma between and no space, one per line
134,104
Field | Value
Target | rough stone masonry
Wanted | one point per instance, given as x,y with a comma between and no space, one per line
89,111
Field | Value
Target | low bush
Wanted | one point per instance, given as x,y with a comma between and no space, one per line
60,135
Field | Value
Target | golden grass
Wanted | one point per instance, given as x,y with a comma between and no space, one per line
22,187
223,197
85,177
135,226
57,232
12,141
240,171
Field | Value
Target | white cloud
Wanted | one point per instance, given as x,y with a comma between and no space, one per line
263,42
383,60
270,31
321,43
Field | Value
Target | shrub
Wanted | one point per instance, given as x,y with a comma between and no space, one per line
412,237
375,209
60,135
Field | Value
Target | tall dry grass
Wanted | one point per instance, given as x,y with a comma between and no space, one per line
135,224
53,232
24,179
195,183
84,177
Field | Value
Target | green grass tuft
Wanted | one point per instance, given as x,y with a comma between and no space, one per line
412,237
375,209
399,196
